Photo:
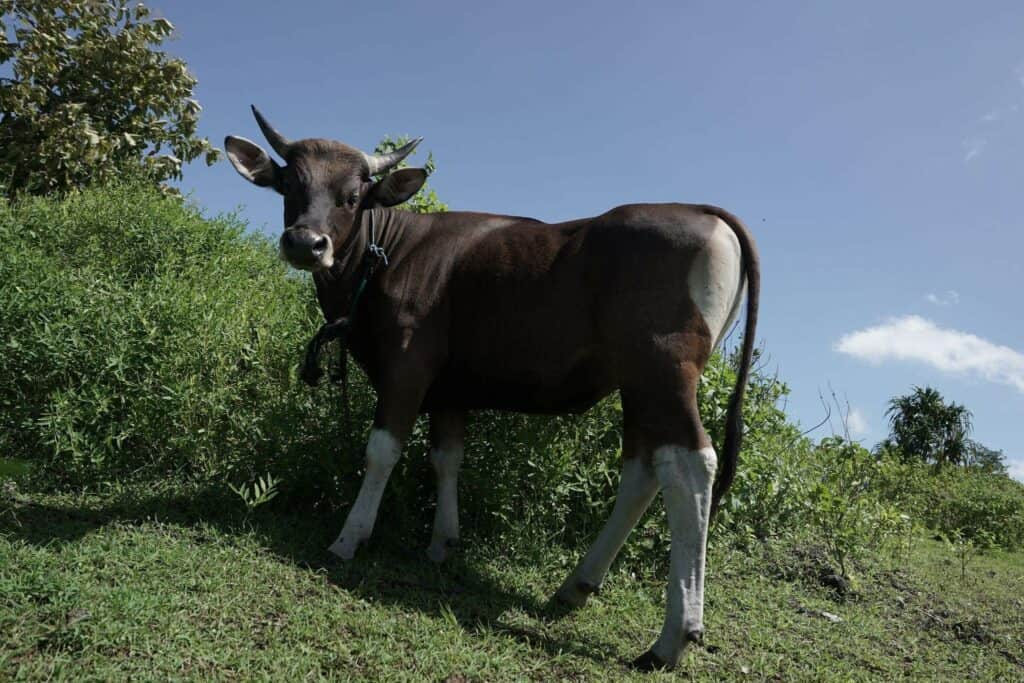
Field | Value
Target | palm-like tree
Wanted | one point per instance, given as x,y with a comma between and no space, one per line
924,427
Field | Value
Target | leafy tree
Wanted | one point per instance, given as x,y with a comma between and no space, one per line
984,458
924,427
87,97
426,200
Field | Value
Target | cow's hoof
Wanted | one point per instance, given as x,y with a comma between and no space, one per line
439,549
574,594
649,661
344,548
696,637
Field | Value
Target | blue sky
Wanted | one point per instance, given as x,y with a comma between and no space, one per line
874,148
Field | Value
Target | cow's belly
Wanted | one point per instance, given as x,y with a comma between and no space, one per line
578,384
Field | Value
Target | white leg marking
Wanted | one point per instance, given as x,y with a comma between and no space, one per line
636,490
685,477
446,461
716,280
382,452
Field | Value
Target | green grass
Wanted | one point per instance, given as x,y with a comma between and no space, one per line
183,585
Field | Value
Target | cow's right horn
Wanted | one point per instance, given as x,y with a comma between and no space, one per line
379,163
279,142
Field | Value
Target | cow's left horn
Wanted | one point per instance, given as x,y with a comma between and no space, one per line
279,142
381,162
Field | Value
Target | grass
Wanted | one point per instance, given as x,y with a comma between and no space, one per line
184,584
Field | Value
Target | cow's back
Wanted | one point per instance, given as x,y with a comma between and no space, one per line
543,317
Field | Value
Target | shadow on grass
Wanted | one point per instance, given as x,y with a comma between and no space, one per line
391,570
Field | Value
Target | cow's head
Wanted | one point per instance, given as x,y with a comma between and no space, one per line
324,184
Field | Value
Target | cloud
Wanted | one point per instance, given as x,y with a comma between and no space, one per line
912,338
857,423
1015,468
948,299
973,147
999,113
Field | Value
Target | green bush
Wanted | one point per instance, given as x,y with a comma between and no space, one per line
142,339
982,507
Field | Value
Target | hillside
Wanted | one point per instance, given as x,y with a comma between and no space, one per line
182,585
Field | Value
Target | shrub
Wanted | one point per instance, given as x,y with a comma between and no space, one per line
141,339
845,506
967,503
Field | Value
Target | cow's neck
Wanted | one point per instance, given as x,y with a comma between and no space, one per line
394,232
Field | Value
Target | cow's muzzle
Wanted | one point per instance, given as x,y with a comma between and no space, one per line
306,249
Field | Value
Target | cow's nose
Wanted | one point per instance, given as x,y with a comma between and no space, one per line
320,245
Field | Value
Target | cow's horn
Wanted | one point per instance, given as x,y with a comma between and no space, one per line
279,142
381,162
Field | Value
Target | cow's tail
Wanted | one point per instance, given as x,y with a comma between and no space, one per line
734,415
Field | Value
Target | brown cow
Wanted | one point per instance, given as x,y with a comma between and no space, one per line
475,310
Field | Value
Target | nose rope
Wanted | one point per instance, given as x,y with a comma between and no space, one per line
340,327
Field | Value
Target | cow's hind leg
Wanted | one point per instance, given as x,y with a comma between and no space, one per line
446,447
684,465
636,490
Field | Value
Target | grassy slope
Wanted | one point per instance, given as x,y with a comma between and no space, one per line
185,586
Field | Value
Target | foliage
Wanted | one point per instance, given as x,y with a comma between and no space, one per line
966,548
257,493
985,507
140,339
91,97
844,505
925,427
768,495
985,459
426,200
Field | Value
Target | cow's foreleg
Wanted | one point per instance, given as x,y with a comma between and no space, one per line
399,397
446,447
636,490
382,452
685,477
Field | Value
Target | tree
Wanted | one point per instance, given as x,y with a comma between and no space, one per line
90,97
923,426
985,458
424,201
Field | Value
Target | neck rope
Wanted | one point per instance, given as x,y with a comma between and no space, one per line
339,328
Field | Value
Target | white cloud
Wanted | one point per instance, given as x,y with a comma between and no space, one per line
999,113
973,147
947,299
1015,469
857,423
915,339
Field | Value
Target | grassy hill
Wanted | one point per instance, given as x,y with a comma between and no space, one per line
184,584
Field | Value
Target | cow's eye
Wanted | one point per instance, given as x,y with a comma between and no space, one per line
351,200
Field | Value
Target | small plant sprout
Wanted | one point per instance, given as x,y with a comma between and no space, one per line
255,494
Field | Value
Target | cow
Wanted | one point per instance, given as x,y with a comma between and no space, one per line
465,311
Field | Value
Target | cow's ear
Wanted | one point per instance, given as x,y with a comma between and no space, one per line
398,186
252,163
